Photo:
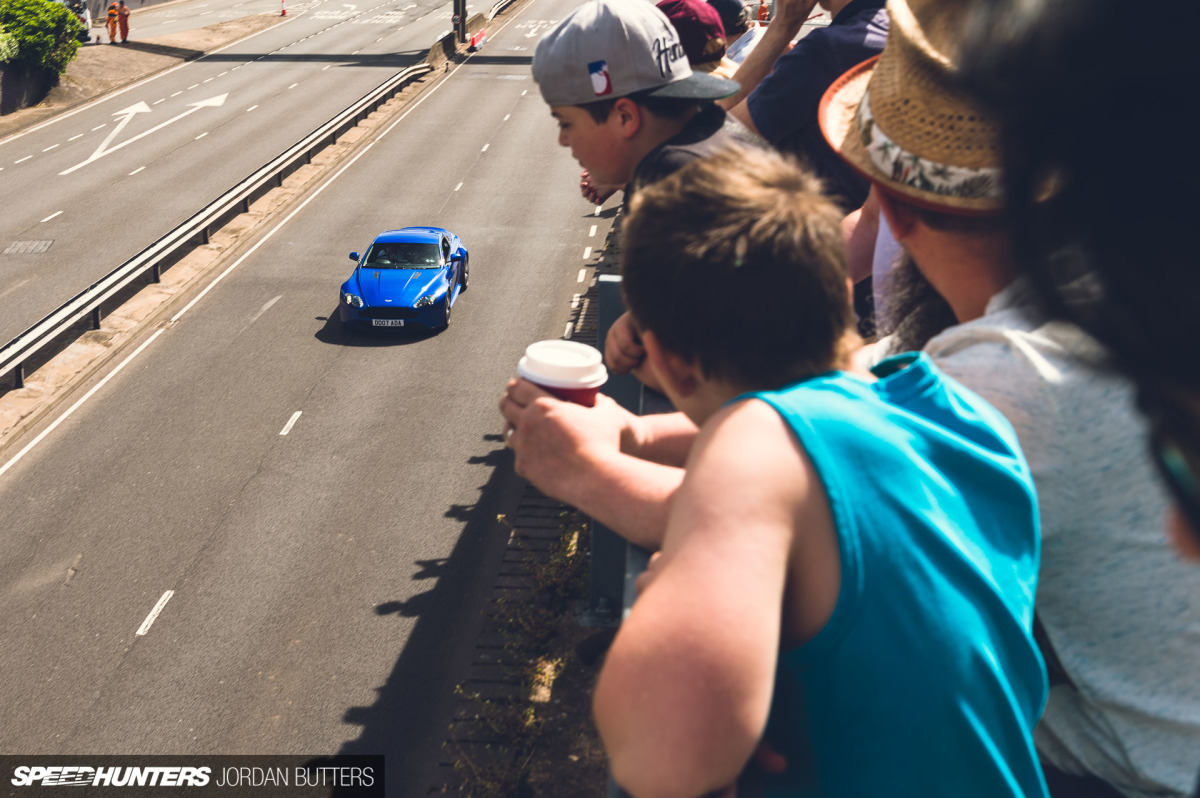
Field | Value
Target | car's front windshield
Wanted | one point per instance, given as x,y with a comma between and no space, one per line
403,255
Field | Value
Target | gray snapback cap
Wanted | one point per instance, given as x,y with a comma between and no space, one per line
606,49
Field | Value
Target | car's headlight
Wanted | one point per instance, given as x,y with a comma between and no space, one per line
424,302
352,300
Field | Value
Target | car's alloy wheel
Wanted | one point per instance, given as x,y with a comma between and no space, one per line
446,306
466,277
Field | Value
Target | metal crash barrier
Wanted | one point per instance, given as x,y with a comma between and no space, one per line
196,230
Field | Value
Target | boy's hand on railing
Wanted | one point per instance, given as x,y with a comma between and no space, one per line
593,192
624,353
623,350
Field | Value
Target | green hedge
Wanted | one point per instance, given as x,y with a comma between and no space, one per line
8,46
45,33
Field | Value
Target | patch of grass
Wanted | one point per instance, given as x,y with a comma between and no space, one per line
539,741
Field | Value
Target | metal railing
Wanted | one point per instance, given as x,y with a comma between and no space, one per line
195,230
615,563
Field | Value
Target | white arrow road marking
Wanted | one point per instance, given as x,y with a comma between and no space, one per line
126,115
132,111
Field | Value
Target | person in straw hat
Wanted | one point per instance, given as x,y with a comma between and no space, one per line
1114,603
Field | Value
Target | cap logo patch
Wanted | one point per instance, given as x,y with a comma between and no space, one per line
601,82
666,53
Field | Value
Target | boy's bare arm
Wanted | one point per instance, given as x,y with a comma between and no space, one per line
688,680
590,458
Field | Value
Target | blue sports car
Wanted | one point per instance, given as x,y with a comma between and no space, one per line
408,278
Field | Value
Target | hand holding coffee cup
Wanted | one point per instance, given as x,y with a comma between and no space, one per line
569,370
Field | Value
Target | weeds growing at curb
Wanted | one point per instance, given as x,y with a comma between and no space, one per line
538,739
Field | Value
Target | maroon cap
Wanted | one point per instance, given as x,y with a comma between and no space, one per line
699,27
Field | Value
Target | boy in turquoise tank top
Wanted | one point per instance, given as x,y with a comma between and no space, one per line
847,578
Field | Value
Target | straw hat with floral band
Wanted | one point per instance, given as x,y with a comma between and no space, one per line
903,122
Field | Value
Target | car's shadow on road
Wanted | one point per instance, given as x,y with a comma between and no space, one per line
337,334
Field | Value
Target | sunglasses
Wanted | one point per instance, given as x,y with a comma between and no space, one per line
1175,449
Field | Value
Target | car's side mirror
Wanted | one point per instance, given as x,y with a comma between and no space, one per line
354,256
456,257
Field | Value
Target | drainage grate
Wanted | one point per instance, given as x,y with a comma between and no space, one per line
27,247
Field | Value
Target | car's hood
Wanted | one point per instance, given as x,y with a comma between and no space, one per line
398,287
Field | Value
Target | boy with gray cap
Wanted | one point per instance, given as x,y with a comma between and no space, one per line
626,100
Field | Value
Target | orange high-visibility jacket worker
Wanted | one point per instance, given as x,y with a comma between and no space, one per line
123,20
111,22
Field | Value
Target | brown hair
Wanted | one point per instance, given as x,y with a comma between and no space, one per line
736,262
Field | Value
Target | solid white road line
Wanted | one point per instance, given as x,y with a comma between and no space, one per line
51,216
135,171
78,404
158,608
291,423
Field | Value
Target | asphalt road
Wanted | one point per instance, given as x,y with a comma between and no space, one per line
101,184
327,581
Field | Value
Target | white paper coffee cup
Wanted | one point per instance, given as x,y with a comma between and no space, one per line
567,369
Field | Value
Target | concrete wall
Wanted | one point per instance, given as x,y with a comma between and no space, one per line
18,90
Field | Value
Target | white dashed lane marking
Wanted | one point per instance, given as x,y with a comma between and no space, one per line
291,423
154,613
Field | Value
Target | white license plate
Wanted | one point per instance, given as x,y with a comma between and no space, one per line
388,322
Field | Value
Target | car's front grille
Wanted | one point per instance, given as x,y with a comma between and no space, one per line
388,313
